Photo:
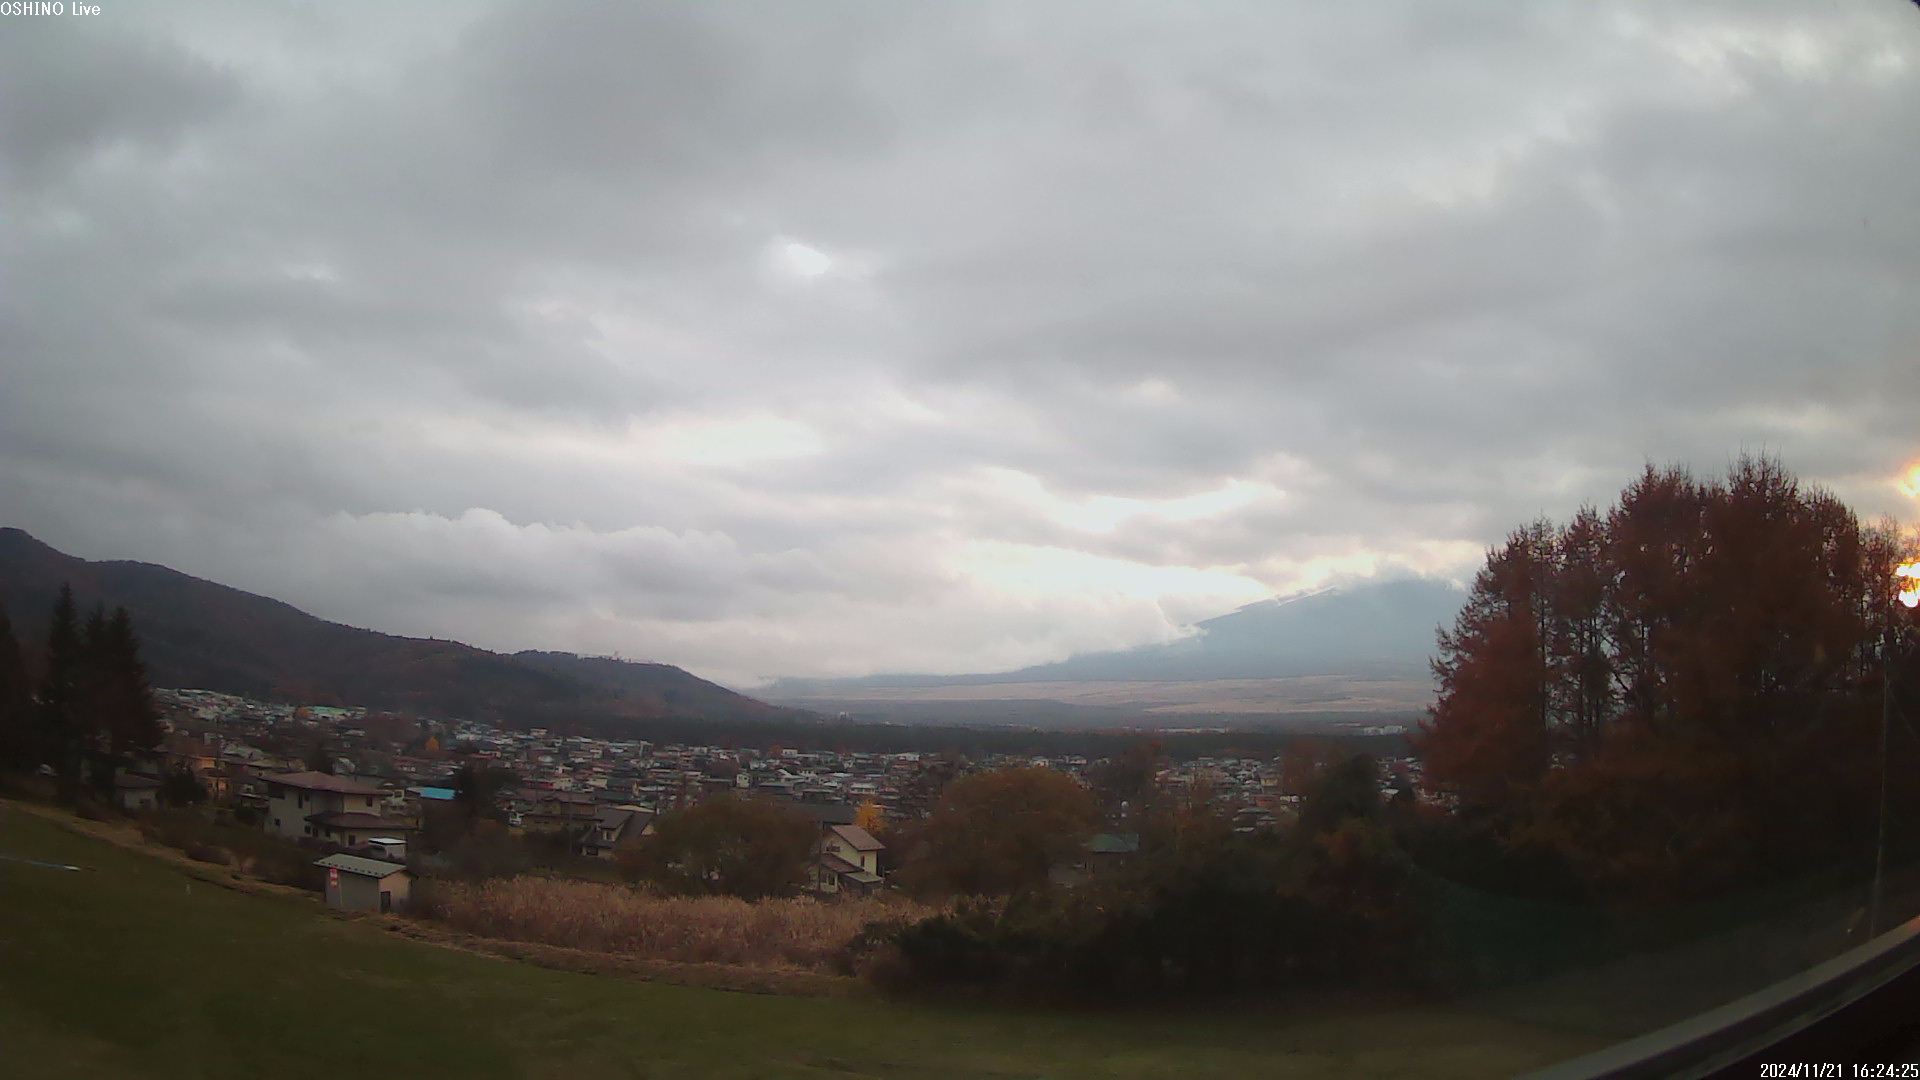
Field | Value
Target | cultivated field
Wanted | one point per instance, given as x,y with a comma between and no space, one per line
131,968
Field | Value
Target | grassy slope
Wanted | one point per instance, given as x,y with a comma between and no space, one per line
131,968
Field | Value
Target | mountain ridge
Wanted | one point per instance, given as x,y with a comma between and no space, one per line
203,634
1369,629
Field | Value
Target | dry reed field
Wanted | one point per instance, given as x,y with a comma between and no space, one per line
799,934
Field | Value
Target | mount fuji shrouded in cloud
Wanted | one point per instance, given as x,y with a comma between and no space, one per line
1360,647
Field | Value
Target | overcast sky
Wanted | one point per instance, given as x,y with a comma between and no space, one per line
819,338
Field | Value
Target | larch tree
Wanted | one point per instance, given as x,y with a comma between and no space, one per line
1680,693
1583,692
1486,740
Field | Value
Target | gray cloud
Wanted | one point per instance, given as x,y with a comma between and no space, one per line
856,337
67,94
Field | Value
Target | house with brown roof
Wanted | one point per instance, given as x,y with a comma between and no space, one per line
550,811
846,860
328,809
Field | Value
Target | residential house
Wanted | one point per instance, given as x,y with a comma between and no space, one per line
616,829
417,800
1111,849
846,860
827,814
328,809
1251,819
131,791
567,812
195,755
1101,854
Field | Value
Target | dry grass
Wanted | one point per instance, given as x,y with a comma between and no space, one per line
792,935
126,835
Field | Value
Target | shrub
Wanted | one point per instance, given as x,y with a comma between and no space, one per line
208,853
248,850
182,788
873,947
485,852
29,787
296,871
959,948
728,846
1226,916
885,969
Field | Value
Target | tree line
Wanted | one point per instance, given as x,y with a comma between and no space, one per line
979,741
87,710
1697,691
1682,693
1184,905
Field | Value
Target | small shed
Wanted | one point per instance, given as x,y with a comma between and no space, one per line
131,791
360,884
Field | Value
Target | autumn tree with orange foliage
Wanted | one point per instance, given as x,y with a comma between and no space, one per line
1486,741
998,832
1304,759
1681,694
727,846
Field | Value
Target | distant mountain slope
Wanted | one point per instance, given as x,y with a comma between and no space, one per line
1384,629
198,633
673,690
1355,651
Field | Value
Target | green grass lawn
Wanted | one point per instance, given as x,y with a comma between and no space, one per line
131,968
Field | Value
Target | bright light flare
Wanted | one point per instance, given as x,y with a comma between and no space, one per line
1908,574
1909,483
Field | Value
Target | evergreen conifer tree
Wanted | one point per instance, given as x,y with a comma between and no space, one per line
61,690
17,749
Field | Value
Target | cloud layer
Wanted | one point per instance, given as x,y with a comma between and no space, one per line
842,338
